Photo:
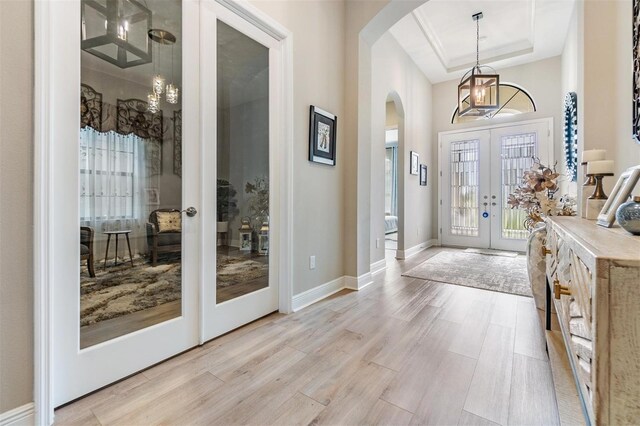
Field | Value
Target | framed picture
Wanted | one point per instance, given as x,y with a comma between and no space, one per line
423,175
322,136
153,196
414,163
619,195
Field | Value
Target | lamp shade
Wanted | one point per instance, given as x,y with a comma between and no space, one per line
478,93
117,31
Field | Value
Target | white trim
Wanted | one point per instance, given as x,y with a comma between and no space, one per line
378,266
43,407
498,125
405,254
316,294
20,416
358,283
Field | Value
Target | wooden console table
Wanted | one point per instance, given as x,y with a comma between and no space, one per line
593,279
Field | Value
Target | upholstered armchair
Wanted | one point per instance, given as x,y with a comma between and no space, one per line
164,233
86,248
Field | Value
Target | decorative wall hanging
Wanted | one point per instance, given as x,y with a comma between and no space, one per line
177,143
90,108
478,92
414,163
322,136
571,135
423,175
105,31
636,71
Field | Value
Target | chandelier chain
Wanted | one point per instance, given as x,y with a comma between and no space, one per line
477,42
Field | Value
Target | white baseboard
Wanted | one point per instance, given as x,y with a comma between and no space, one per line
405,254
21,416
378,266
358,283
309,297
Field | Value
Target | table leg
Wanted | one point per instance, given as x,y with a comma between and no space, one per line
115,262
129,245
106,253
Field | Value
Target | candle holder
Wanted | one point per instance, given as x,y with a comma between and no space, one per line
591,180
598,192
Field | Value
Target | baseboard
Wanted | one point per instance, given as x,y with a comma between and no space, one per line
405,254
378,266
320,292
21,416
358,283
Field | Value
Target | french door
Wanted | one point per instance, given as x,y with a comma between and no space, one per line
164,188
480,168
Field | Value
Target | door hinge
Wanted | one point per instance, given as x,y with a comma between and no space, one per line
440,173
440,202
441,230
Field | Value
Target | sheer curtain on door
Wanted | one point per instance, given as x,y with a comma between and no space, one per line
112,185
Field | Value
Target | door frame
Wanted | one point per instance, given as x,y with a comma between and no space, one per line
46,62
548,121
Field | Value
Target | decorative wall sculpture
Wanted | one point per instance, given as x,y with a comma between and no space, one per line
571,135
90,108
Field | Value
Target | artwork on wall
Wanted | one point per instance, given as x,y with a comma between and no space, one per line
414,163
322,136
177,143
619,194
571,135
423,175
636,71
153,196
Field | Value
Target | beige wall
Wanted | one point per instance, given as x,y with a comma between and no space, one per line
393,71
318,201
607,82
16,203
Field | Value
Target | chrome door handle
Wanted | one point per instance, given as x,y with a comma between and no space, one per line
191,211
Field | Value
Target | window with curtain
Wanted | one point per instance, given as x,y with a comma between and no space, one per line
112,181
391,173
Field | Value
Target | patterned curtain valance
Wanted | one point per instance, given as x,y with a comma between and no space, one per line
128,116
90,108
133,117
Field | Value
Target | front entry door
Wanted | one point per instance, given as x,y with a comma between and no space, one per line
479,171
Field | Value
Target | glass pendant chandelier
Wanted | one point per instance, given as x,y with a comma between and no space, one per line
154,103
478,91
162,37
172,89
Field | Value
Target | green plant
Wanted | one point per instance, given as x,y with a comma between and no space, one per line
259,198
226,201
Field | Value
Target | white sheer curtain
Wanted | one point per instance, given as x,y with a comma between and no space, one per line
112,187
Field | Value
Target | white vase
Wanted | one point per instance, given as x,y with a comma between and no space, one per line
536,265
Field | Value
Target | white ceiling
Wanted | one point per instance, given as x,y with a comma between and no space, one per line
440,35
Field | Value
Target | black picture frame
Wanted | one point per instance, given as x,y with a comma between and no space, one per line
423,175
322,136
414,163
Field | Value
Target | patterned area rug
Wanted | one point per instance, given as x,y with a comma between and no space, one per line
491,252
123,289
496,273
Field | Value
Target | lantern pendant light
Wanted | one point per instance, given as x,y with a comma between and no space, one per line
478,91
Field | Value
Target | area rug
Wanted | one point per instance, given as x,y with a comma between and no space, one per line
491,252
121,290
496,273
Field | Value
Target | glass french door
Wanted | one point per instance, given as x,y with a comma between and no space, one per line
479,171
163,184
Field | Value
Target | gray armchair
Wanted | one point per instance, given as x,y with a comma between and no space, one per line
162,242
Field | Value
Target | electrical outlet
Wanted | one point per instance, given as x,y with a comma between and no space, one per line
312,262
377,242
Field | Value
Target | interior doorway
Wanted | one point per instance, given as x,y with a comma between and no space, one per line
480,168
393,221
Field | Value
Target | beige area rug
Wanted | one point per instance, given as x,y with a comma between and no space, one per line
491,252
496,273
123,289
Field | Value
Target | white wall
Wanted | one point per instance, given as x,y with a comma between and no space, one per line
394,71
318,67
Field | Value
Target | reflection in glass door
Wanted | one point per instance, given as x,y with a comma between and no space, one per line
242,192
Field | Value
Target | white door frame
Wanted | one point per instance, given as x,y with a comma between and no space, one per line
548,120
47,15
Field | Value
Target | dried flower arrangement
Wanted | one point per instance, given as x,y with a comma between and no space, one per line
537,195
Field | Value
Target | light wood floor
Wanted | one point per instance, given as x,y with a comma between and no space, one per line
400,351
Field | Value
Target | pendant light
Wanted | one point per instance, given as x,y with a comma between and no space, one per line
478,91
106,28
172,89
161,37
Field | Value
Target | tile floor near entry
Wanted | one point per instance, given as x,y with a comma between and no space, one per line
400,351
